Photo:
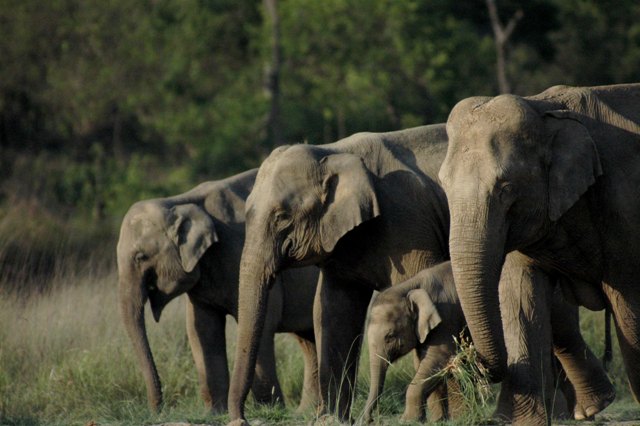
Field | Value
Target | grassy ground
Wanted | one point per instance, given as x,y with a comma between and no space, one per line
65,359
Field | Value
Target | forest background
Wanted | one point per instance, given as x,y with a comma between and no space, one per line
103,103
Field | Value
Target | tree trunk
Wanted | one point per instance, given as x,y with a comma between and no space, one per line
501,37
272,78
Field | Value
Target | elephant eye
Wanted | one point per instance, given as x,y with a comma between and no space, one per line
140,257
281,216
282,219
506,187
389,336
507,191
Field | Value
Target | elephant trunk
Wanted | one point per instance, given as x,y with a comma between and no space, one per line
378,370
132,300
256,277
477,255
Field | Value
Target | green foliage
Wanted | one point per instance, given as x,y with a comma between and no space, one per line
105,103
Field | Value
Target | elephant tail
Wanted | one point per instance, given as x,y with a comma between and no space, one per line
608,351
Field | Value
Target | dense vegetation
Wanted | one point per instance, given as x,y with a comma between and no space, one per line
103,103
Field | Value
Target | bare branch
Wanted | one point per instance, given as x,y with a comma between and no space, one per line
502,35
495,20
512,24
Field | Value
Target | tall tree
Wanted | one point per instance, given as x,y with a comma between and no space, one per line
272,77
501,35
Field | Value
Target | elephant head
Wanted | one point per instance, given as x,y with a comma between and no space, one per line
397,324
512,169
305,199
158,254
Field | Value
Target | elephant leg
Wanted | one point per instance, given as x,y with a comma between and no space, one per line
266,387
424,384
564,396
593,390
625,306
340,309
524,303
438,404
446,402
455,400
310,388
416,360
205,330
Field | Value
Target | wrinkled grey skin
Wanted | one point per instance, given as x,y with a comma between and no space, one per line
191,243
422,313
557,177
338,206
370,212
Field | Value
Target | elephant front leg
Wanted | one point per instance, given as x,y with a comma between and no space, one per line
593,390
524,304
624,301
205,330
425,383
340,309
438,404
310,387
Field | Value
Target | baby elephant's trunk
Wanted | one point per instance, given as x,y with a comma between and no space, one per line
378,368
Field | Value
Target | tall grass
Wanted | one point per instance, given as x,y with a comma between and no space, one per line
65,358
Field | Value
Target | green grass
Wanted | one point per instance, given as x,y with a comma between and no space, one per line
65,360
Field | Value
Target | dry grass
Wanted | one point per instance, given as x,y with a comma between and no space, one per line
472,380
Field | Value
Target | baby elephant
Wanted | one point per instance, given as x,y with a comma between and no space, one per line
401,319
424,313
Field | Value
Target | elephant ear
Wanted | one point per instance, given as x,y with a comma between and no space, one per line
348,197
575,163
192,231
428,317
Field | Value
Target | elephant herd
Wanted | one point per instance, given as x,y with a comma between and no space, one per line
498,224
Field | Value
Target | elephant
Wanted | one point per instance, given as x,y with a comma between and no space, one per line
554,176
424,313
370,212
191,243
421,314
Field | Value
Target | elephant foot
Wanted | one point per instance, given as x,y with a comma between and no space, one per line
217,409
307,407
330,420
591,403
238,422
410,416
